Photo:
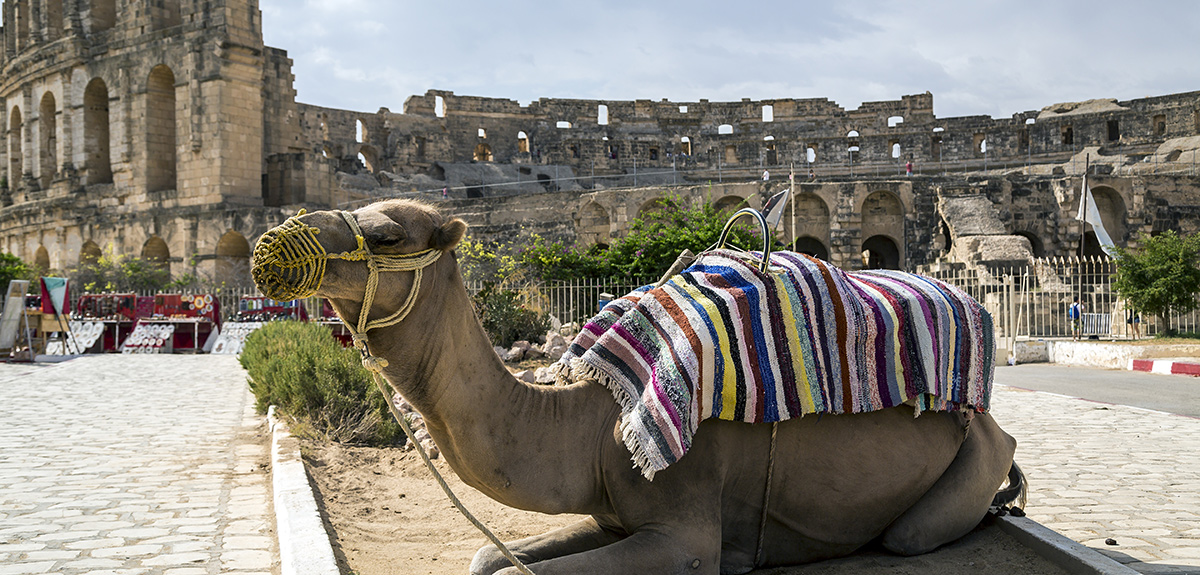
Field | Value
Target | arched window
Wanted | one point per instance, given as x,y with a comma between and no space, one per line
725,129
439,106
47,140
483,153
103,14
161,146
15,159
156,252
41,259
685,146
367,158
360,131
90,253
602,115
522,143
811,246
482,133
881,253
95,133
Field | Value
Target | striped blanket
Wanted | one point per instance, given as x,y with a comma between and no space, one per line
722,339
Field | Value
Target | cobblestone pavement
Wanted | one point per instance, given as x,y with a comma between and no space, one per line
1098,471
132,465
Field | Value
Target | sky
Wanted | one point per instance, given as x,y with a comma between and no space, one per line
977,57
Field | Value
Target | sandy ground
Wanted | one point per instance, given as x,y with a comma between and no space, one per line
387,516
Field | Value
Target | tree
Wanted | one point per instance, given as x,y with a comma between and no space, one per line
13,268
1161,278
120,273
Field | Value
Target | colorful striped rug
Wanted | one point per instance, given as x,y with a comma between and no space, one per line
722,339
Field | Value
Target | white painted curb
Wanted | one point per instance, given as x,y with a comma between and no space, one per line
304,547
1073,557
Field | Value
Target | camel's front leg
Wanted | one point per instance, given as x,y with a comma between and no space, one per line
585,535
692,549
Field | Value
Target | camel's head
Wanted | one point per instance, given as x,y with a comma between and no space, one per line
323,253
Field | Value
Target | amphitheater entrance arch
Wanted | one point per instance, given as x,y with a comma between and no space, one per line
90,253
41,259
729,204
95,133
883,215
233,258
156,252
1112,214
808,216
881,253
594,226
1036,247
811,246
161,147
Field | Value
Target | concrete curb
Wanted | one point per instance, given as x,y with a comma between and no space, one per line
304,547
1072,556
1166,366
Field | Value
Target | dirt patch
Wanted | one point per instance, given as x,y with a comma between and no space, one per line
386,515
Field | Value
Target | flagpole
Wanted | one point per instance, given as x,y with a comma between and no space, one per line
792,207
1083,229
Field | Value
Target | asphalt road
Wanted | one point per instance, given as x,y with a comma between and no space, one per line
1169,393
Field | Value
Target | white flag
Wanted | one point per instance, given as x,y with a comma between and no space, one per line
773,211
1093,217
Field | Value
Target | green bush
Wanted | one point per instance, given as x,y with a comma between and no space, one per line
300,368
505,319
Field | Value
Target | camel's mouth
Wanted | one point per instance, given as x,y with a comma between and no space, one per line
288,262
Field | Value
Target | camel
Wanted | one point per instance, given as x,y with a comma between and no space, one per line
838,482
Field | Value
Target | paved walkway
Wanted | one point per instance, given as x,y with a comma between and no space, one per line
1099,471
132,465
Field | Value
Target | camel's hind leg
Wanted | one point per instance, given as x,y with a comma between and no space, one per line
960,497
575,538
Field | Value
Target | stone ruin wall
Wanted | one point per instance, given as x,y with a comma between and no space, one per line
246,154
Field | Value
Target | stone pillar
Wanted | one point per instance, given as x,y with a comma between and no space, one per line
66,126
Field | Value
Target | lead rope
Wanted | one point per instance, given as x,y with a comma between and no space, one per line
376,364
762,524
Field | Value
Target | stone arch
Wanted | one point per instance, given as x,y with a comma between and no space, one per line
89,253
41,258
1036,247
47,139
811,246
522,143
156,252
883,215
366,155
161,147
594,225
809,214
233,258
483,153
729,204
653,209
103,14
15,157
1112,212
98,163
881,253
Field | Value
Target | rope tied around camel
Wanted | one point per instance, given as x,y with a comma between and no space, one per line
292,247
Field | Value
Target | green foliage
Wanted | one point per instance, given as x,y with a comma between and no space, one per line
1162,277
120,273
300,368
648,250
13,268
504,317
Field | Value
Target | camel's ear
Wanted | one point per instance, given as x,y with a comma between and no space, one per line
448,236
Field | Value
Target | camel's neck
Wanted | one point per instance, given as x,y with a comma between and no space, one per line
534,447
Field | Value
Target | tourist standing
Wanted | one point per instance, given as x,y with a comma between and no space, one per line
1075,313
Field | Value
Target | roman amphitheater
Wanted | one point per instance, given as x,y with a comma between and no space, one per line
166,129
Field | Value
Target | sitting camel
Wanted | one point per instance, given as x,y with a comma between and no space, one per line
836,483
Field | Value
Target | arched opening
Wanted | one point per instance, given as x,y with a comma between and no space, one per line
883,215
811,153
808,216
811,246
41,259
366,157
685,146
54,19
522,143
15,157
602,115
95,133
655,209
1112,214
360,131
47,140
483,153
896,150
103,14
772,158
724,129
326,152
439,106
594,224
233,259
729,204
943,242
894,121
156,252
1035,244
161,149
323,119
90,253
881,253
768,113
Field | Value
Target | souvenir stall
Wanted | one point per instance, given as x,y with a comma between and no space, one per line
110,317
252,313
180,323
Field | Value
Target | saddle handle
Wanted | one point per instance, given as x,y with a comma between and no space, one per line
762,223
